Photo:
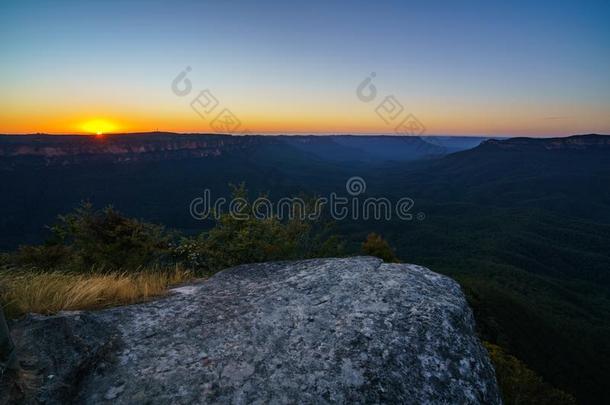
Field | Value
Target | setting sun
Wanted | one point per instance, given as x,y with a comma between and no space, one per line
98,127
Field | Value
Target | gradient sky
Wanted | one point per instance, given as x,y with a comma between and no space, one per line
461,67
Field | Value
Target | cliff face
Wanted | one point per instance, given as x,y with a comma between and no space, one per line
71,149
74,149
350,330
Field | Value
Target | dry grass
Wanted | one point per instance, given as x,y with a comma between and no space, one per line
47,293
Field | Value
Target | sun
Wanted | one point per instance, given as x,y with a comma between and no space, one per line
98,127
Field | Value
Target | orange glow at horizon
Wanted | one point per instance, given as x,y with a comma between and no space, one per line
356,118
98,127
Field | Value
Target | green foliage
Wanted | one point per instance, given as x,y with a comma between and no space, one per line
242,238
48,256
520,385
547,325
537,285
105,239
375,245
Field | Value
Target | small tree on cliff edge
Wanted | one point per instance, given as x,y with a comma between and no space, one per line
375,245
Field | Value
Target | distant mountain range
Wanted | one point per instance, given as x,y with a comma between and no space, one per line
70,149
127,170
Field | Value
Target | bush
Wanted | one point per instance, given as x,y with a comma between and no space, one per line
102,239
48,256
234,241
128,260
375,245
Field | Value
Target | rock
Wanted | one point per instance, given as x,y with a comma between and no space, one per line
114,392
60,351
352,330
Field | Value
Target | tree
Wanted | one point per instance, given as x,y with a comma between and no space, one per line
375,245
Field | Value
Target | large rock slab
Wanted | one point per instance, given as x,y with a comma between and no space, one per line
352,330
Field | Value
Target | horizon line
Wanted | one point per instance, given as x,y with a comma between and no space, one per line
296,134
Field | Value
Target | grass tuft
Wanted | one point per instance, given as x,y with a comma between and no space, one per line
23,291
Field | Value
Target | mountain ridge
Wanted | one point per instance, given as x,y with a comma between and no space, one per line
70,149
573,142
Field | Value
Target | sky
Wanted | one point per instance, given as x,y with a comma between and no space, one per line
453,67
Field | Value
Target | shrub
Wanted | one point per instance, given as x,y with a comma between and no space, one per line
127,260
48,256
375,245
234,241
87,238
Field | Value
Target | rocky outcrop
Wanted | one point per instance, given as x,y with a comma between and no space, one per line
352,330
